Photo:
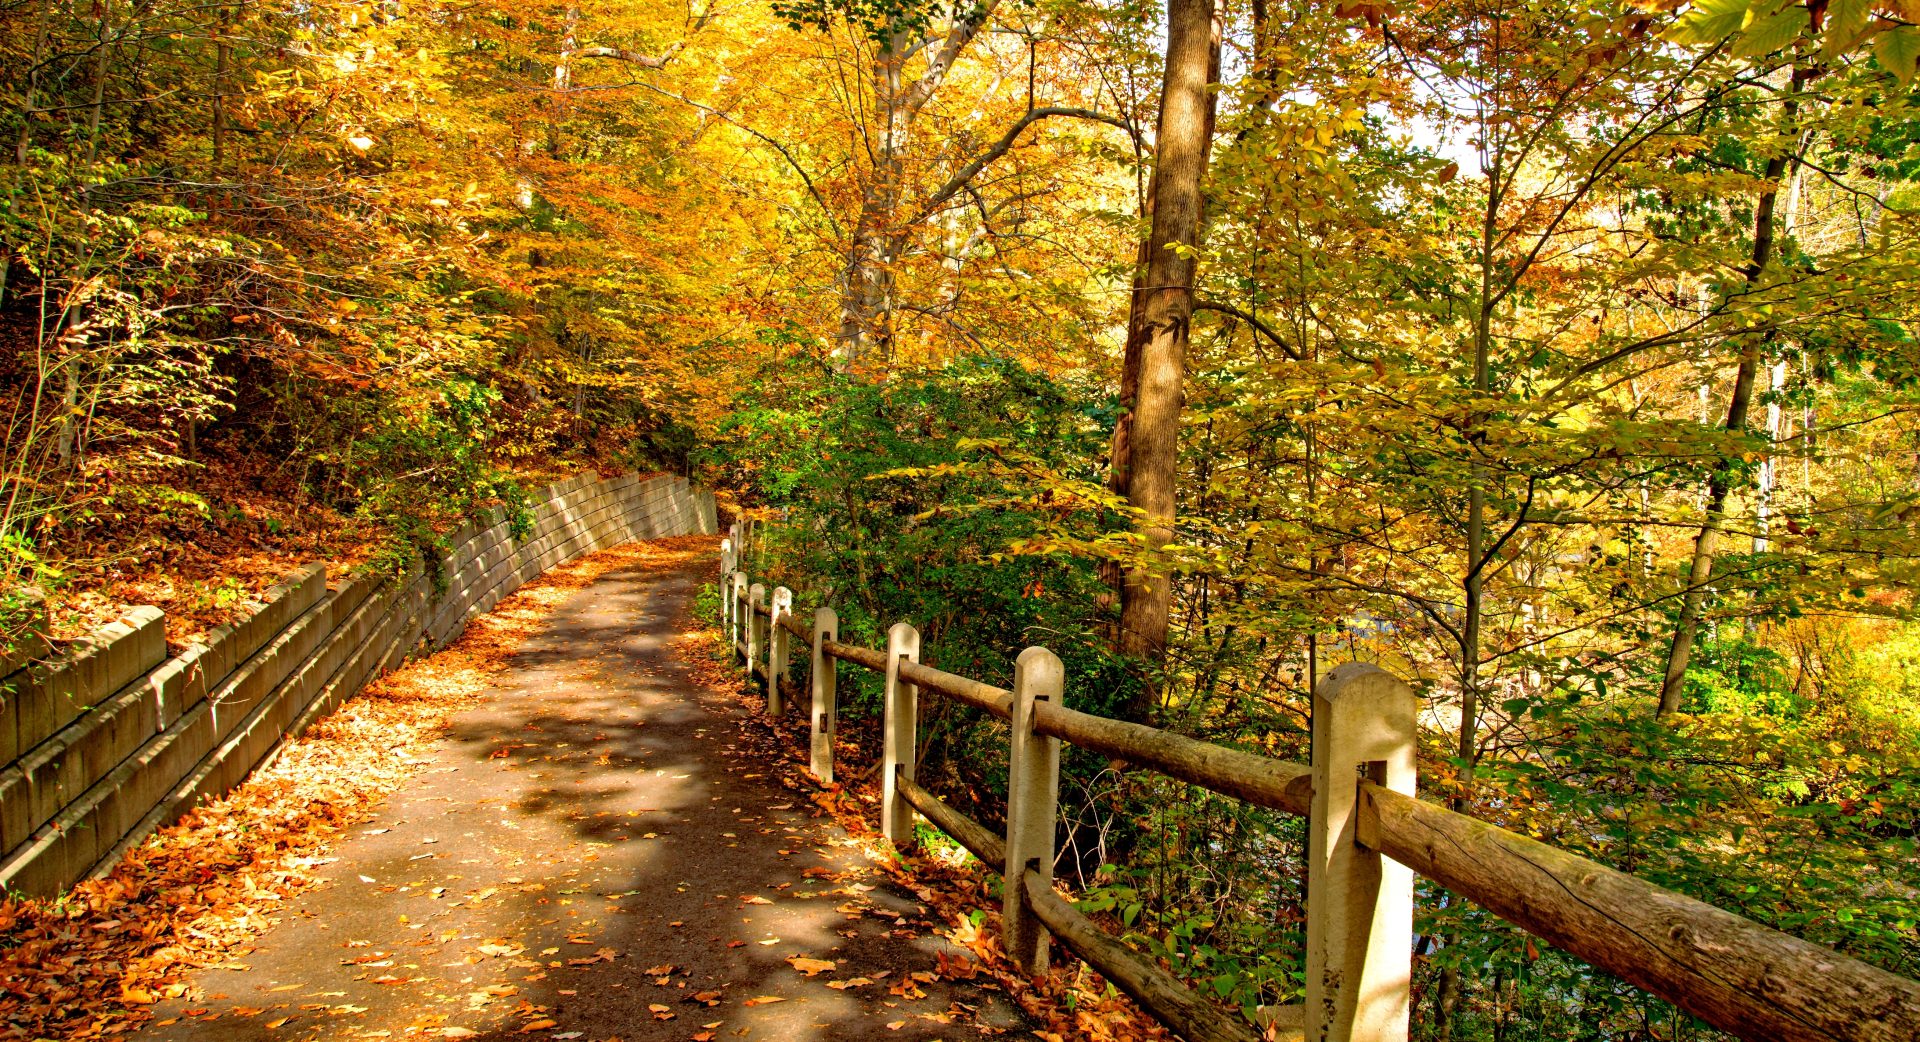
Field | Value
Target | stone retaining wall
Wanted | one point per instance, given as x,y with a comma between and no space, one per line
110,739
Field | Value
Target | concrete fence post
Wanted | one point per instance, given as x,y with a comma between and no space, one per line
736,635
756,637
1360,904
826,683
1033,798
902,716
777,650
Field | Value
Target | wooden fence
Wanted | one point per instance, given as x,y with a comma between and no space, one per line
1368,835
104,740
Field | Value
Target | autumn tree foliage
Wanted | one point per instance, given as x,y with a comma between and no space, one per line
1559,356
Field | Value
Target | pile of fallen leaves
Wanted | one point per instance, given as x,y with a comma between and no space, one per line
237,525
1071,1002
88,963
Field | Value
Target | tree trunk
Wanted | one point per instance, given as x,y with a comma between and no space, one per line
1164,312
866,296
28,106
1770,465
1700,572
569,43
221,70
100,70
1686,628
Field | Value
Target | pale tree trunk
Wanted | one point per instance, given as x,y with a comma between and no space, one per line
866,298
569,42
29,105
1767,491
100,71
1769,466
68,446
1806,438
879,237
1150,468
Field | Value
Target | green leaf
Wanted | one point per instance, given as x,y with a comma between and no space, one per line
1898,50
1774,32
1845,26
1709,21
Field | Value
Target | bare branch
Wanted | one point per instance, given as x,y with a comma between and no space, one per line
972,169
645,61
1258,326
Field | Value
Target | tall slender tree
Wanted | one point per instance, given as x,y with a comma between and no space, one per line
1146,442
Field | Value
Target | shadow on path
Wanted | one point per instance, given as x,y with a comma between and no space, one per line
589,856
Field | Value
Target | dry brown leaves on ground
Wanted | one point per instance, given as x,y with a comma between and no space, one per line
86,964
201,565
1071,1002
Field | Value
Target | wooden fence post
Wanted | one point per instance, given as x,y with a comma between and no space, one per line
737,600
1359,904
756,596
726,584
826,684
777,650
1033,795
902,712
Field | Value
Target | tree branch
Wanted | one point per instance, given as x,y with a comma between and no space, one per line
785,153
645,61
961,33
1261,327
1001,147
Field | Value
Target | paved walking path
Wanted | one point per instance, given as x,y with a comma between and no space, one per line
593,854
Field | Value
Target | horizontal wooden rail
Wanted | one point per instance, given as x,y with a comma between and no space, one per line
995,700
1257,779
1741,977
979,840
859,656
1744,978
1158,991
1192,1017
